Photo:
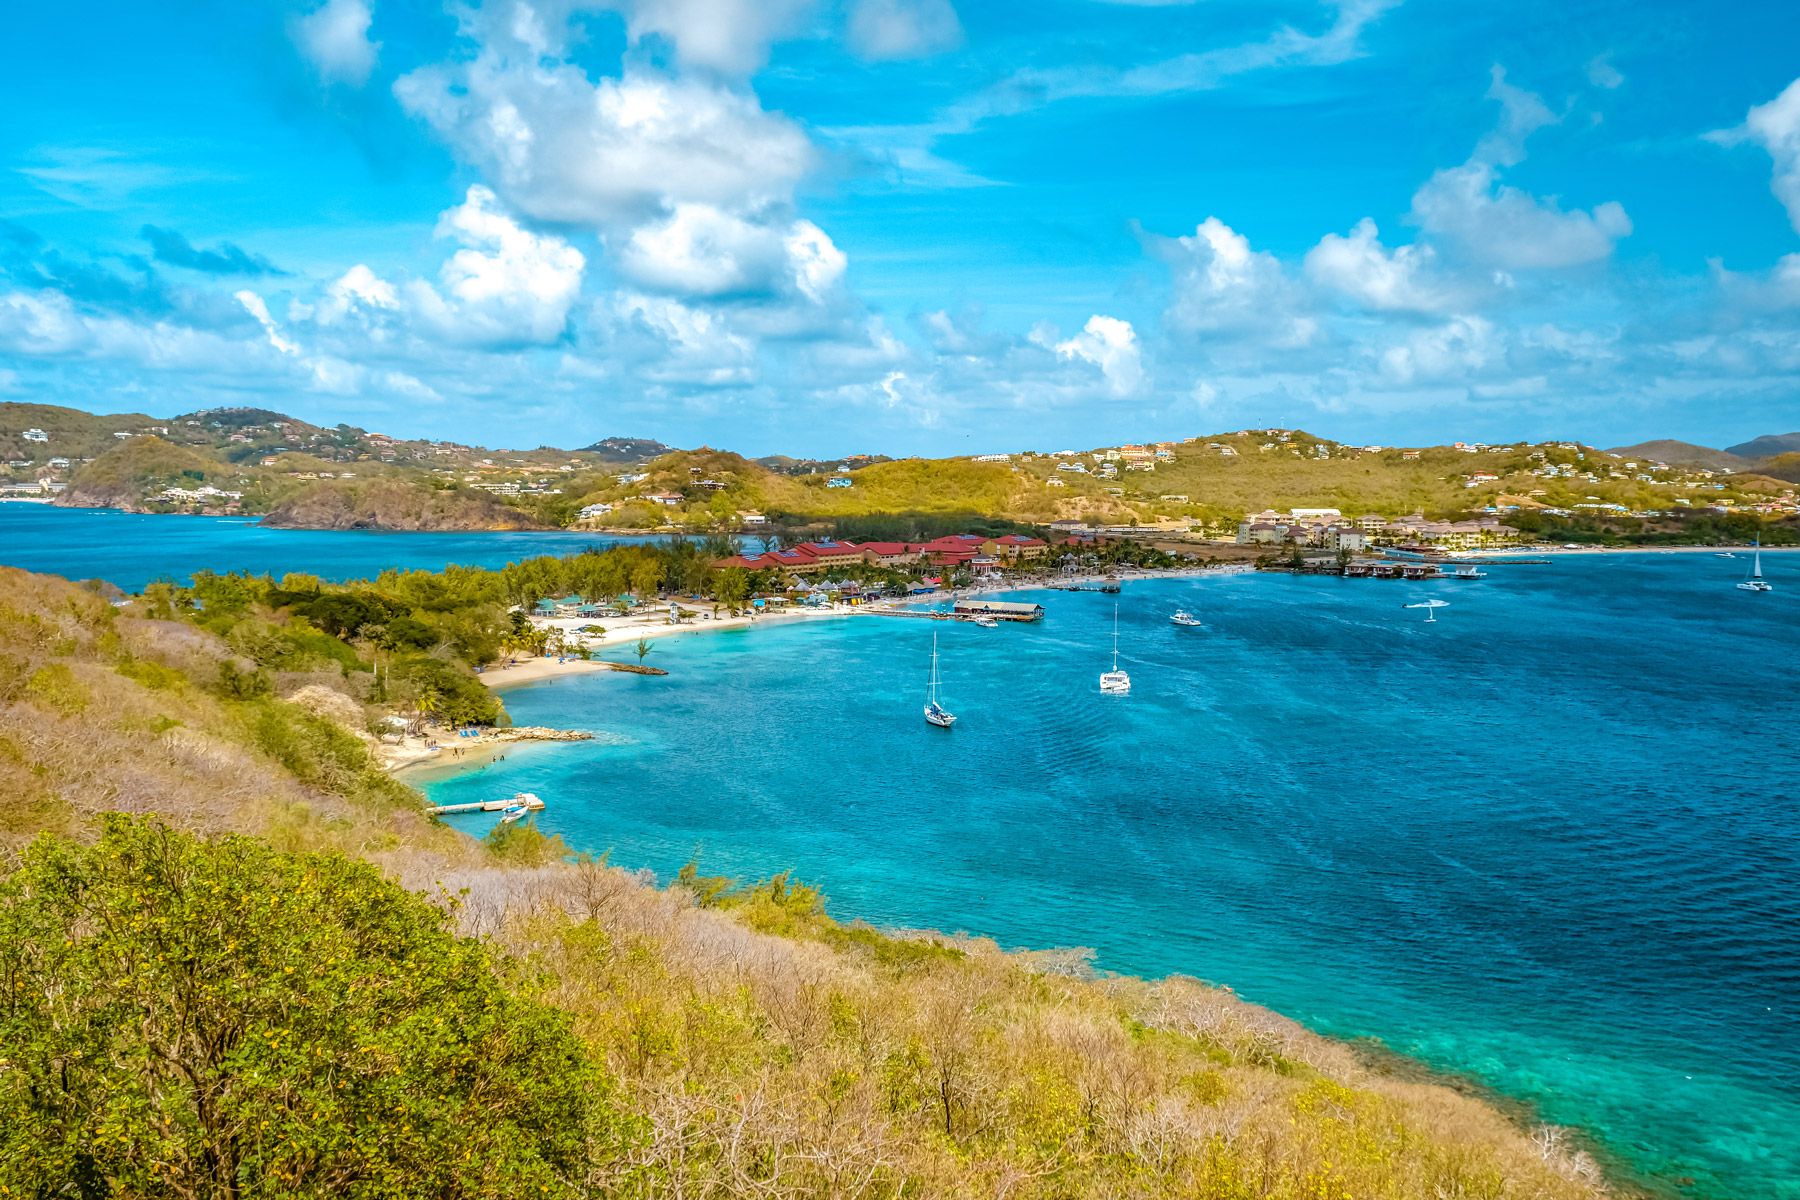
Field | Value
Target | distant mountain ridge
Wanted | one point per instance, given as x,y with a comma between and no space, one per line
1683,454
1767,446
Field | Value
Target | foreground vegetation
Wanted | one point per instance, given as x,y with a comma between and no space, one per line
278,978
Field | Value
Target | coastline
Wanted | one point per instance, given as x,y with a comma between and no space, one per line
1370,1052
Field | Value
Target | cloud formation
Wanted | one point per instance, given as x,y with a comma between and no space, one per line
887,30
562,148
169,246
334,39
1775,126
1111,345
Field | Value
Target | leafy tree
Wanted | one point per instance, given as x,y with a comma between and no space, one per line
219,1019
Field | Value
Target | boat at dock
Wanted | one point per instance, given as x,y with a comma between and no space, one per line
1756,582
1468,572
525,802
935,713
986,622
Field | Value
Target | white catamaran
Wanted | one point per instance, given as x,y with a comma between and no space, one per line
1756,583
1115,682
935,713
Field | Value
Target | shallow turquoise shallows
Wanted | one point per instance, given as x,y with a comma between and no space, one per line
133,549
1549,840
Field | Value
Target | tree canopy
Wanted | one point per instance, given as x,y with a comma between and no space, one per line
201,1018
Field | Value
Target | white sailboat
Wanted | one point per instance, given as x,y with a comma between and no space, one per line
1430,607
1115,682
1756,582
935,713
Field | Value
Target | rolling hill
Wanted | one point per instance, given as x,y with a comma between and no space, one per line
1766,446
260,462
1684,454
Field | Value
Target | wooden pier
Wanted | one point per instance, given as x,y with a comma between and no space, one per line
528,799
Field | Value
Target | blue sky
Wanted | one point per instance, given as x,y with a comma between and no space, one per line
909,226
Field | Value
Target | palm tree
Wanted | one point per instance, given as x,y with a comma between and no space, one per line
429,702
644,646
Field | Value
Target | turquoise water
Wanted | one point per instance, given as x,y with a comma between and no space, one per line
1549,841
131,550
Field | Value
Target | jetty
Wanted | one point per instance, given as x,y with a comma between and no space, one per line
528,799
967,610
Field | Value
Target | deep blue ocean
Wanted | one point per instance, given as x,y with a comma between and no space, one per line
1550,841
132,549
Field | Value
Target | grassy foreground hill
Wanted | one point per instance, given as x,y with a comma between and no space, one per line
354,1000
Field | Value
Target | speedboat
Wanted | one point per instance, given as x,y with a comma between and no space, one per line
987,622
511,813
1469,572
1725,554
1183,617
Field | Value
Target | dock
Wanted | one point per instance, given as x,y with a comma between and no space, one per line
528,799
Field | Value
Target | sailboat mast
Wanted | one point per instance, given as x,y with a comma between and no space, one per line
931,686
1115,635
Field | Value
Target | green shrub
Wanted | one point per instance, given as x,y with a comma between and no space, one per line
221,1019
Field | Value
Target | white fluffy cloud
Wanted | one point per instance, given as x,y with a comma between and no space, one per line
561,148
1221,284
882,30
731,36
1491,222
506,285
688,344
1362,269
1775,127
1458,348
254,305
699,250
335,39
1111,345
1504,226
